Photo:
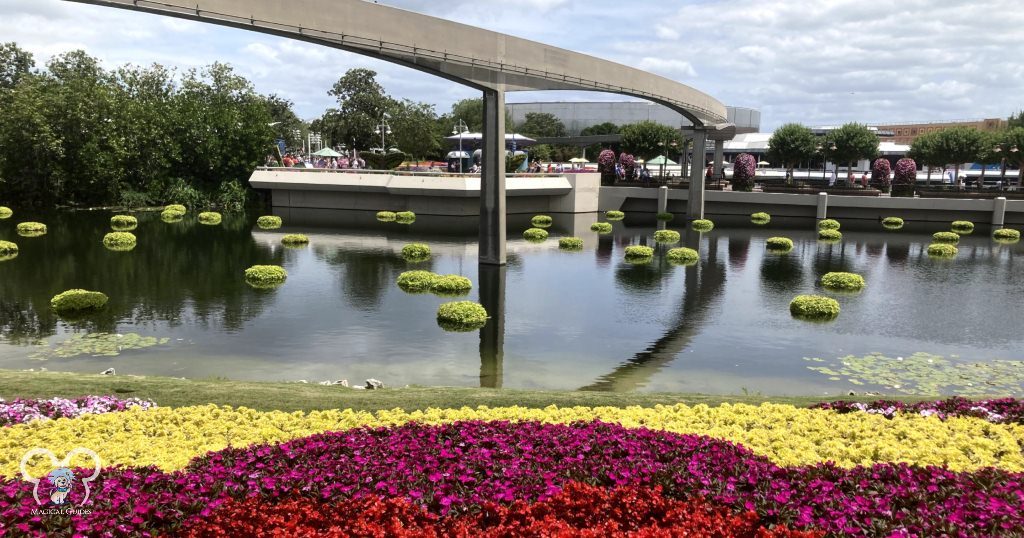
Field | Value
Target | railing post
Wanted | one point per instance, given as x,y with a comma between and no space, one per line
999,212
822,206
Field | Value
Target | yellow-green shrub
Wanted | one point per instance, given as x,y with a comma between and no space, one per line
570,243
5,212
665,216
209,217
177,208
416,281
169,215
829,224
892,223
265,276
120,241
294,240
639,253
666,236
946,237
77,300
760,218
535,234
942,250
386,216
962,227
542,221
1006,234
614,215
451,285
461,316
829,234
683,256
702,225
779,244
601,227
31,229
416,251
405,217
842,281
8,251
123,223
814,307
269,222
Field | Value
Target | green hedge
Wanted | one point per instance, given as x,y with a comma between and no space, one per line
946,237
665,216
760,218
542,221
942,250
416,251
120,241
842,281
269,222
962,227
8,251
294,240
535,234
451,285
814,307
416,281
31,229
405,217
829,224
209,217
461,316
829,234
666,236
265,276
639,252
177,208
702,225
124,223
570,243
614,215
78,299
601,227
387,216
1006,234
5,212
892,222
683,256
779,244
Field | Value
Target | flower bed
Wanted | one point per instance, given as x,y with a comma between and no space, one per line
1001,411
20,411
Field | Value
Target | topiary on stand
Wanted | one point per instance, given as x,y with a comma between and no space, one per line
744,170
880,174
904,178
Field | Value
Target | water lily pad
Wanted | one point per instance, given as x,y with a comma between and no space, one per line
97,345
928,374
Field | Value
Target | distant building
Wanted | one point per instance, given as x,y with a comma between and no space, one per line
579,115
906,133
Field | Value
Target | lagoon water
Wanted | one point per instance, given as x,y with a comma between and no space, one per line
561,320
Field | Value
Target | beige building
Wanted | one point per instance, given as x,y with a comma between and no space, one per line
905,133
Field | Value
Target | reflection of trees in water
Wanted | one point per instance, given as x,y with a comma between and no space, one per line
830,257
605,249
782,272
739,248
366,274
704,284
175,267
897,253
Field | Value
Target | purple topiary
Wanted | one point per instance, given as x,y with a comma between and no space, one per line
743,171
628,165
606,162
906,172
880,174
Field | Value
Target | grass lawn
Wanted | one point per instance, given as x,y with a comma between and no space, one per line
172,392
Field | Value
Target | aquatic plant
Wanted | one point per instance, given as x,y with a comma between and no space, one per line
387,216
123,223
828,224
892,223
461,316
946,237
8,250
926,373
31,229
666,236
665,216
451,285
535,234
269,222
601,227
405,217
570,243
614,215
779,244
292,240
639,254
814,307
416,281
5,212
962,227
78,300
265,276
760,218
702,225
209,218
843,281
119,241
682,256
97,344
171,216
830,235
942,250
177,208
542,221
1006,234
416,252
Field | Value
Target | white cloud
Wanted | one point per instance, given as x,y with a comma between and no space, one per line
677,69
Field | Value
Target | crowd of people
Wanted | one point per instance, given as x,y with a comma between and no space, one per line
292,160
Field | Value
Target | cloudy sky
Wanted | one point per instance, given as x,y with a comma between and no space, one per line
810,61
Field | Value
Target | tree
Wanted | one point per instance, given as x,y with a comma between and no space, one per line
790,145
743,171
471,111
15,64
416,130
1015,120
606,128
1009,140
853,142
285,120
924,151
542,124
648,139
959,145
361,106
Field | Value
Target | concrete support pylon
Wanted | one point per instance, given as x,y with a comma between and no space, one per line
695,204
719,159
492,181
492,335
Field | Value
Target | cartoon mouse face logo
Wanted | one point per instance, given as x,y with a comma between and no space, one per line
62,478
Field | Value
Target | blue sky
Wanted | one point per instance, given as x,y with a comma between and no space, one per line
810,61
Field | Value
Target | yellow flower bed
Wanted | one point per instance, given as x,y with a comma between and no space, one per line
169,438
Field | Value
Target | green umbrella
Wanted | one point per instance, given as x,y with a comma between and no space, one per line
327,152
661,159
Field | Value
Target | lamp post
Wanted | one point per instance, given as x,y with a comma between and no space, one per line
383,129
460,129
1002,173
824,158
664,156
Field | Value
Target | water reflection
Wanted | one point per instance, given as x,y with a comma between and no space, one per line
492,335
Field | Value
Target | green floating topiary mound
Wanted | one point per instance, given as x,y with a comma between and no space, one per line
269,222
614,215
416,281
843,281
639,254
169,215
942,250
31,229
78,300
683,256
601,227
119,241
451,285
405,217
123,223
828,224
814,307
962,227
294,240
416,252
760,218
665,216
5,212
892,223
209,217
666,236
177,208
779,244
8,251
535,234
702,225
829,234
265,276
542,221
461,316
946,237
387,216
570,243
1006,234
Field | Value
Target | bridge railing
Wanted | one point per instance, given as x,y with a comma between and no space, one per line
395,172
